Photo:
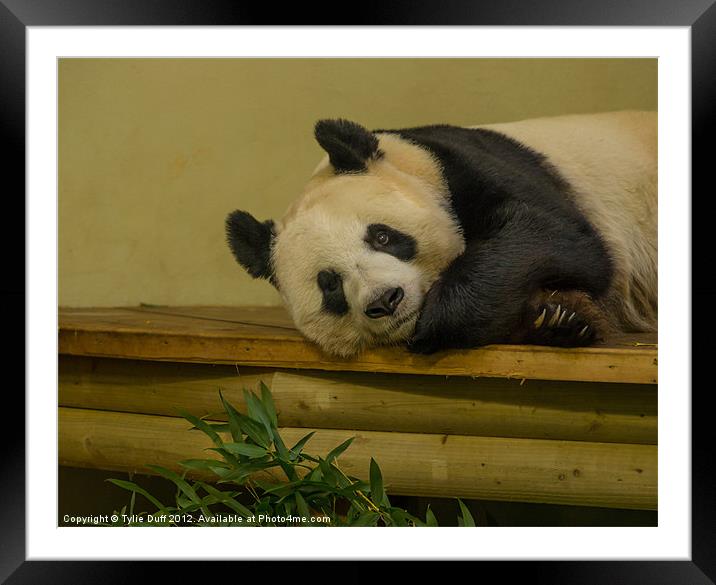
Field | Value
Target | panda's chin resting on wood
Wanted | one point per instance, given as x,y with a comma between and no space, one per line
536,232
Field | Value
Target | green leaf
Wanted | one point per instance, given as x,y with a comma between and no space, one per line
268,403
377,494
329,475
255,431
218,427
400,517
314,475
280,446
181,483
366,519
288,469
227,499
133,487
430,519
467,519
251,451
183,502
234,423
267,485
257,412
350,492
221,472
229,458
338,450
301,506
244,470
204,427
203,464
358,484
298,447
287,486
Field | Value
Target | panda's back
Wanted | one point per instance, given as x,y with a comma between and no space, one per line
610,163
602,165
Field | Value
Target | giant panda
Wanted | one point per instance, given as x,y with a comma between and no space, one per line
540,231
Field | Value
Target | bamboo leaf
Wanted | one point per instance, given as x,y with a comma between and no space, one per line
329,474
338,450
430,519
467,519
269,406
302,507
229,458
267,485
366,519
133,487
203,464
227,499
181,483
241,472
251,451
221,427
288,469
377,493
298,447
204,427
255,431
283,453
257,412
234,423
314,475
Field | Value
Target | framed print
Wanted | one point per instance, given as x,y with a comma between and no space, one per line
132,76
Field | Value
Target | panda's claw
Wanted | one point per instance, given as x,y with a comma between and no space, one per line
561,318
555,317
565,319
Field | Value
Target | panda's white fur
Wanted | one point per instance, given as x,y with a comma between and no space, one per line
325,227
609,161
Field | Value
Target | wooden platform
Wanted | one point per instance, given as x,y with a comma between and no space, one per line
517,423
266,337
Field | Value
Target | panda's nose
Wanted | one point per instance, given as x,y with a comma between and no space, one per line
385,304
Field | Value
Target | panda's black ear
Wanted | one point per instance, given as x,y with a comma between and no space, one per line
250,241
349,145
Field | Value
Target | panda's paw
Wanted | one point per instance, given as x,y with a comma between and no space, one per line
567,319
433,322
424,340
422,346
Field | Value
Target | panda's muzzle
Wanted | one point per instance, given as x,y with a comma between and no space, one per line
386,304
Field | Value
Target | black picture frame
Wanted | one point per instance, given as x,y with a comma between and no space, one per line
699,15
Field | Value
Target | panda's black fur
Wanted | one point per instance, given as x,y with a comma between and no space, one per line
523,233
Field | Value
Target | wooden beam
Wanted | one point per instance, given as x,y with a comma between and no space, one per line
265,337
620,413
529,470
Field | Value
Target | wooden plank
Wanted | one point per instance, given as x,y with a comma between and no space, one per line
264,337
529,470
620,413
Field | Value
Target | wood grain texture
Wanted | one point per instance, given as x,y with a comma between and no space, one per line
265,337
620,413
529,470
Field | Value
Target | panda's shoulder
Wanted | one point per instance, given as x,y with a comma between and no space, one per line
481,149
487,173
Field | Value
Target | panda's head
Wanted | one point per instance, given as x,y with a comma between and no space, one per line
355,254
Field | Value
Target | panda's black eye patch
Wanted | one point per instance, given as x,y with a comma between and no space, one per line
331,285
383,238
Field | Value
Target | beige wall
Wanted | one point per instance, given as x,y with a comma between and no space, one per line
155,153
